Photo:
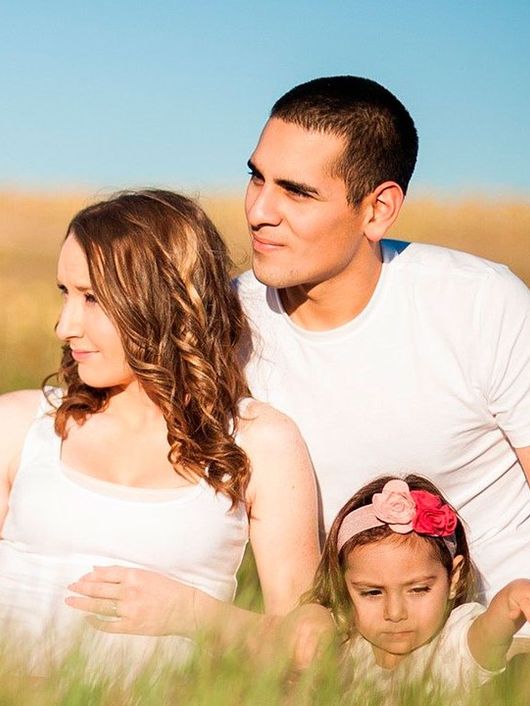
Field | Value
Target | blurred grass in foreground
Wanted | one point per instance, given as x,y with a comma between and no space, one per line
225,677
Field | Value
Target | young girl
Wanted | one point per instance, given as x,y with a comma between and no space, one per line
397,576
151,456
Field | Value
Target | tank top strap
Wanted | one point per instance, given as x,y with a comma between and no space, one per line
42,446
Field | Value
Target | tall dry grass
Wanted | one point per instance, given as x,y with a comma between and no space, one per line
32,226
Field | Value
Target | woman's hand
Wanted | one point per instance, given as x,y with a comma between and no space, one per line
126,600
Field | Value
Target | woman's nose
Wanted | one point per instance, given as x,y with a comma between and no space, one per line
70,324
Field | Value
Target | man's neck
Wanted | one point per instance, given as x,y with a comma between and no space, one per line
334,302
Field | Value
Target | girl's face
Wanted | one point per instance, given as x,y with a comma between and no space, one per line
400,595
93,339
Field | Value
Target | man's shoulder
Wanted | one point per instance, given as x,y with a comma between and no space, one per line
250,290
446,264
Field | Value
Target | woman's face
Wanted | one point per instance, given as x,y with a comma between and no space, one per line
93,339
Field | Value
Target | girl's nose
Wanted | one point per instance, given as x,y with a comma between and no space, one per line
395,608
70,324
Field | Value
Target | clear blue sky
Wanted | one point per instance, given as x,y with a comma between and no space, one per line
113,94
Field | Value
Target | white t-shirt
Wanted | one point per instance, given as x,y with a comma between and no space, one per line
433,377
444,665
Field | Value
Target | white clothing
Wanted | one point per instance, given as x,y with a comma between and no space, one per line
61,523
444,663
432,377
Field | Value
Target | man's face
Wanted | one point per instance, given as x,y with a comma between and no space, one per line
303,230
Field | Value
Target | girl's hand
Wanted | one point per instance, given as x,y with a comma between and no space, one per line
518,597
308,631
126,600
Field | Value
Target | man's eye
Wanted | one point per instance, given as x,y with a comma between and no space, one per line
297,192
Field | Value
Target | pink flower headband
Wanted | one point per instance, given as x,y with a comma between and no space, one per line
404,511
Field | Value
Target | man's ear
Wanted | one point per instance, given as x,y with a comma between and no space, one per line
383,206
458,563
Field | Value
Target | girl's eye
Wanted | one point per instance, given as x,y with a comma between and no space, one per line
371,592
421,589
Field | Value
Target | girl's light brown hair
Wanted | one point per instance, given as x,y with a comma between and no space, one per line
329,587
161,272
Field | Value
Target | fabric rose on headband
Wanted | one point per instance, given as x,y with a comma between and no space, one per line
432,516
395,506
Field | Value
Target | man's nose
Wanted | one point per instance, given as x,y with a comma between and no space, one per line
262,205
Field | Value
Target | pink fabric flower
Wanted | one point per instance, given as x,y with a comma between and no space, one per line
432,515
395,506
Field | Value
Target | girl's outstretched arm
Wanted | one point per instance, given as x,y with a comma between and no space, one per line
491,634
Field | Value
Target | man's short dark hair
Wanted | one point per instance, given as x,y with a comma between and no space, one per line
381,142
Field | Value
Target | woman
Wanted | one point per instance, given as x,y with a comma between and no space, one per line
152,456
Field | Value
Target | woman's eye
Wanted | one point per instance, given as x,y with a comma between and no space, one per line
90,298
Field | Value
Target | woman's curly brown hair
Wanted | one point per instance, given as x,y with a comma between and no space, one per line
161,272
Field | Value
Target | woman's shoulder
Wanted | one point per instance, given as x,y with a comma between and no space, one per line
260,424
18,406
17,412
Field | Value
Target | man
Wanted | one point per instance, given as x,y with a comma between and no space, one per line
391,357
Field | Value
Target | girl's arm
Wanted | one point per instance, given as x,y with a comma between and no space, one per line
283,532
17,410
491,633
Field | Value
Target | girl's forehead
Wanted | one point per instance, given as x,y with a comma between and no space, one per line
404,558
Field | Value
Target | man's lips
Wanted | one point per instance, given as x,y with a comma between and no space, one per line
263,245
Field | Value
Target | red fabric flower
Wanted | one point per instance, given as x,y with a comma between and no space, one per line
432,515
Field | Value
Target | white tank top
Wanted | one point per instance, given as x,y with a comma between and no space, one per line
61,523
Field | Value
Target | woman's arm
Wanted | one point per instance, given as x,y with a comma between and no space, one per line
491,634
283,507
17,410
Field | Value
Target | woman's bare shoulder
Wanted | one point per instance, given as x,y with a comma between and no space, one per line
17,411
260,424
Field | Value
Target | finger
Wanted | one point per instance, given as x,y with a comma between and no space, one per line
97,590
101,606
114,626
107,574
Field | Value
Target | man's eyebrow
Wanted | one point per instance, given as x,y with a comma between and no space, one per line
288,184
253,168
297,186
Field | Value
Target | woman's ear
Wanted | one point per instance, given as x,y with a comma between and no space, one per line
458,563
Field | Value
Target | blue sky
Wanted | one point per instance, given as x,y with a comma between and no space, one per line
111,94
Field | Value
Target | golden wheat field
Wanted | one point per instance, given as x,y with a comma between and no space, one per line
32,226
